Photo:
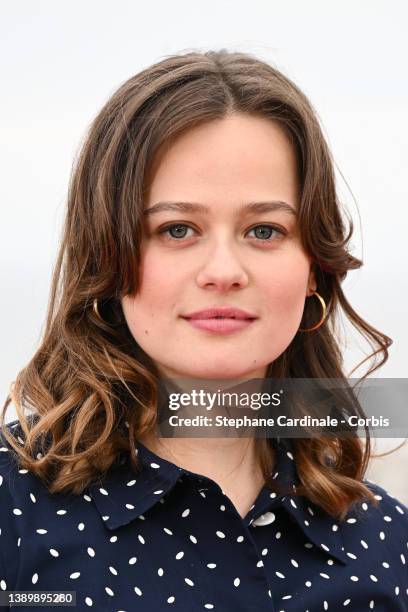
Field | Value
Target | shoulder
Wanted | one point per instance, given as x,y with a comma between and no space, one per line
12,496
24,502
19,487
390,509
8,457
14,488
381,529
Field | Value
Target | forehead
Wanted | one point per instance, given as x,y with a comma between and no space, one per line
241,157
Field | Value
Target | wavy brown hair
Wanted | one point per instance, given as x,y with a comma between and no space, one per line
90,391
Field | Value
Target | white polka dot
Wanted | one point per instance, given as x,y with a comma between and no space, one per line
264,519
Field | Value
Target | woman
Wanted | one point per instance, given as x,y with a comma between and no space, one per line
204,189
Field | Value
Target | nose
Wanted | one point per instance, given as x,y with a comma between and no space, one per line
222,270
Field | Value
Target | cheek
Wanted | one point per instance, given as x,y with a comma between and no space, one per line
285,289
157,292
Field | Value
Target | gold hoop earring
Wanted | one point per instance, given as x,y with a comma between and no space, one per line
95,307
323,303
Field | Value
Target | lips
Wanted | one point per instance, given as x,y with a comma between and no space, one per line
221,312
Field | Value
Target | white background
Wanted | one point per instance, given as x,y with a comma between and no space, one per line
61,60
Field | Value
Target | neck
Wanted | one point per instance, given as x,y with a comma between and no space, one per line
224,460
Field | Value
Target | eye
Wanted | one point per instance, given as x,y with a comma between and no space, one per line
177,231
264,232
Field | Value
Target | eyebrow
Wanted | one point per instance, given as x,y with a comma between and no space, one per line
249,208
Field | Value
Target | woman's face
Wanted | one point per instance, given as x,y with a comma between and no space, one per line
227,245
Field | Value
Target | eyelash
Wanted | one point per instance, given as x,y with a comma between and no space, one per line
163,231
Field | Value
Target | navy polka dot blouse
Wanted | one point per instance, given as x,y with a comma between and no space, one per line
170,539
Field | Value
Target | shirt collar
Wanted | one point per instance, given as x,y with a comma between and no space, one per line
122,495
